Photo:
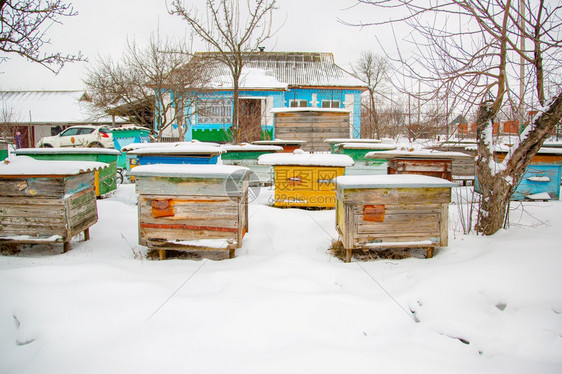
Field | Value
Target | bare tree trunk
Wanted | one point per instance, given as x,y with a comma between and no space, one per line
498,185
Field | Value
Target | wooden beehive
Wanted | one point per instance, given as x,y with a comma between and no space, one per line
313,125
194,208
46,201
389,211
305,180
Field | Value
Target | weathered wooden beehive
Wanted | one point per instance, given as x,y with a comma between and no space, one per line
46,201
446,165
304,179
313,125
194,208
392,211
105,179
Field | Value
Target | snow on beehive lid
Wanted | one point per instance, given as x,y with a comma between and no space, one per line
420,153
246,147
181,148
350,140
67,151
374,146
25,165
190,171
301,158
280,141
391,181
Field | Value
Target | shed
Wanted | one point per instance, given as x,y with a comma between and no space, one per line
392,211
313,125
105,179
194,208
126,135
46,201
304,179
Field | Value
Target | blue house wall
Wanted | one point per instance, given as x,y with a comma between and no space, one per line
280,99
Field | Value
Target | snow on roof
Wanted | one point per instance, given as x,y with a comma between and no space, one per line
60,107
305,159
181,148
67,151
391,181
351,140
128,128
280,141
422,153
309,109
251,78
289,69
245,147
25,165
190,171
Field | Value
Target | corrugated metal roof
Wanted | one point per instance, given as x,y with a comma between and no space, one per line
39,107
295,69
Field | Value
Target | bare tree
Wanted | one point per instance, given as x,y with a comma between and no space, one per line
23,28
231,31
476,49
156,83
372,70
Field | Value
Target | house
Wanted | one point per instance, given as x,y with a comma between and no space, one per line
36,114
270,80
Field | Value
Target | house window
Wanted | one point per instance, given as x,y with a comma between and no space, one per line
214,111
330,103
298,103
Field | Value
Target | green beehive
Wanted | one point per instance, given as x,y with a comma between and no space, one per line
105,180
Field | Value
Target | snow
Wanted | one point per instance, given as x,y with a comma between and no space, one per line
25,165
300,158
391,181
280,141
539,179
284,304
366,146
250,78
177,148
135,146
420,153
68,151
188,170
245,147
351,140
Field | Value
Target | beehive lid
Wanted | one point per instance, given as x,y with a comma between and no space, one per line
391,181
351,140
305,159
24,165
280,142
421,154
67,151
191,171
245,147
183,149
374,146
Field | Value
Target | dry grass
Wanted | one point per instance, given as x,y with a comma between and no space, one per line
364,254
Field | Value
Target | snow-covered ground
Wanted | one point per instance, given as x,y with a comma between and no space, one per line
284,304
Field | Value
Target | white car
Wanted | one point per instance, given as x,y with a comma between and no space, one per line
79,136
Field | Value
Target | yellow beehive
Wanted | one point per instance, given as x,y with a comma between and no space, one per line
304,179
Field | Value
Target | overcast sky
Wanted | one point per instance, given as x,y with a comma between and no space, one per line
103,26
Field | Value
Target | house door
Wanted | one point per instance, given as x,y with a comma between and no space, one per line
249,120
